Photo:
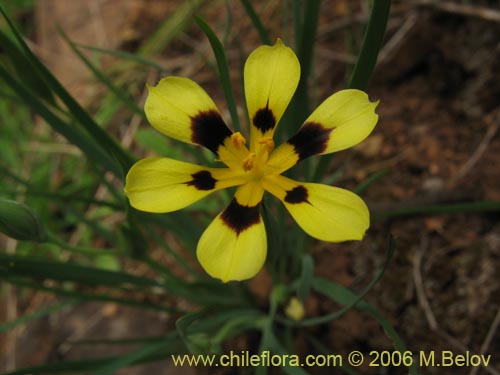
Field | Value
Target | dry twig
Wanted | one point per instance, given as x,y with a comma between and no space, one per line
462,9
431,318
476,155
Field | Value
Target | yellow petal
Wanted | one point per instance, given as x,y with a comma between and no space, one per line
181,109
234,245
271,76
341,121
165,185
249,194
325,212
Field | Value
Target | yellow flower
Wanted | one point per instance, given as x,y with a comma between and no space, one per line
234,245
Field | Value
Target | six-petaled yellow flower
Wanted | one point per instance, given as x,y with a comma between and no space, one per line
234,245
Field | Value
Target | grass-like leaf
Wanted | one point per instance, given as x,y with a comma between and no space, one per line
99,136
36,315
343,295
148,350
257,23
372,42
73,134
39,268
220,57
118,92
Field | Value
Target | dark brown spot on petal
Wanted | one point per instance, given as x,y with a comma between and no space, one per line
209,130
264,119
311,139
202,180
298,194
239,218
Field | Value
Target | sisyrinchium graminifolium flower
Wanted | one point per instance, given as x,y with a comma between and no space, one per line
234,245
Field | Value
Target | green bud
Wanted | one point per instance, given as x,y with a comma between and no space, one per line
20,222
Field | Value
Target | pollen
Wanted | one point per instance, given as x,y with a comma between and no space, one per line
238,140
248,162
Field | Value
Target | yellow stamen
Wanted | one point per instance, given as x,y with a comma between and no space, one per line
238,140
267,144
248,162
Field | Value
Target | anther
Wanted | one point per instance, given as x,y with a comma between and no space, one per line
238,140
267,143
248,162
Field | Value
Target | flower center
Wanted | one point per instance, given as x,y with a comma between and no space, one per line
255,161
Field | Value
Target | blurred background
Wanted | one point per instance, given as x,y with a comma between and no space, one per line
436,147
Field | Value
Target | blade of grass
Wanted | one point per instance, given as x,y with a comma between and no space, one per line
220,57
77,366
370,181
344,294
65,292
126,56
170,29
372,42
36,315
98,135
138,355
365,64
23,69
39,268
256,22
118,92
71,133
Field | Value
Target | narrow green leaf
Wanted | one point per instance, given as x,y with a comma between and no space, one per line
370,181
276,348
118,92
36,315
220,57
63,367
65,292
20,222
183,324
257,23
89,364
203,331
73,134
340,293
367,58
344,296
126,56
173,25
40,268
23,68
372,42
150,349
99,135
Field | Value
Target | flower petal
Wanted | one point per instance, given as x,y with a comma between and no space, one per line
325,212
165,185
341,121
271,76
181,109
234,245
